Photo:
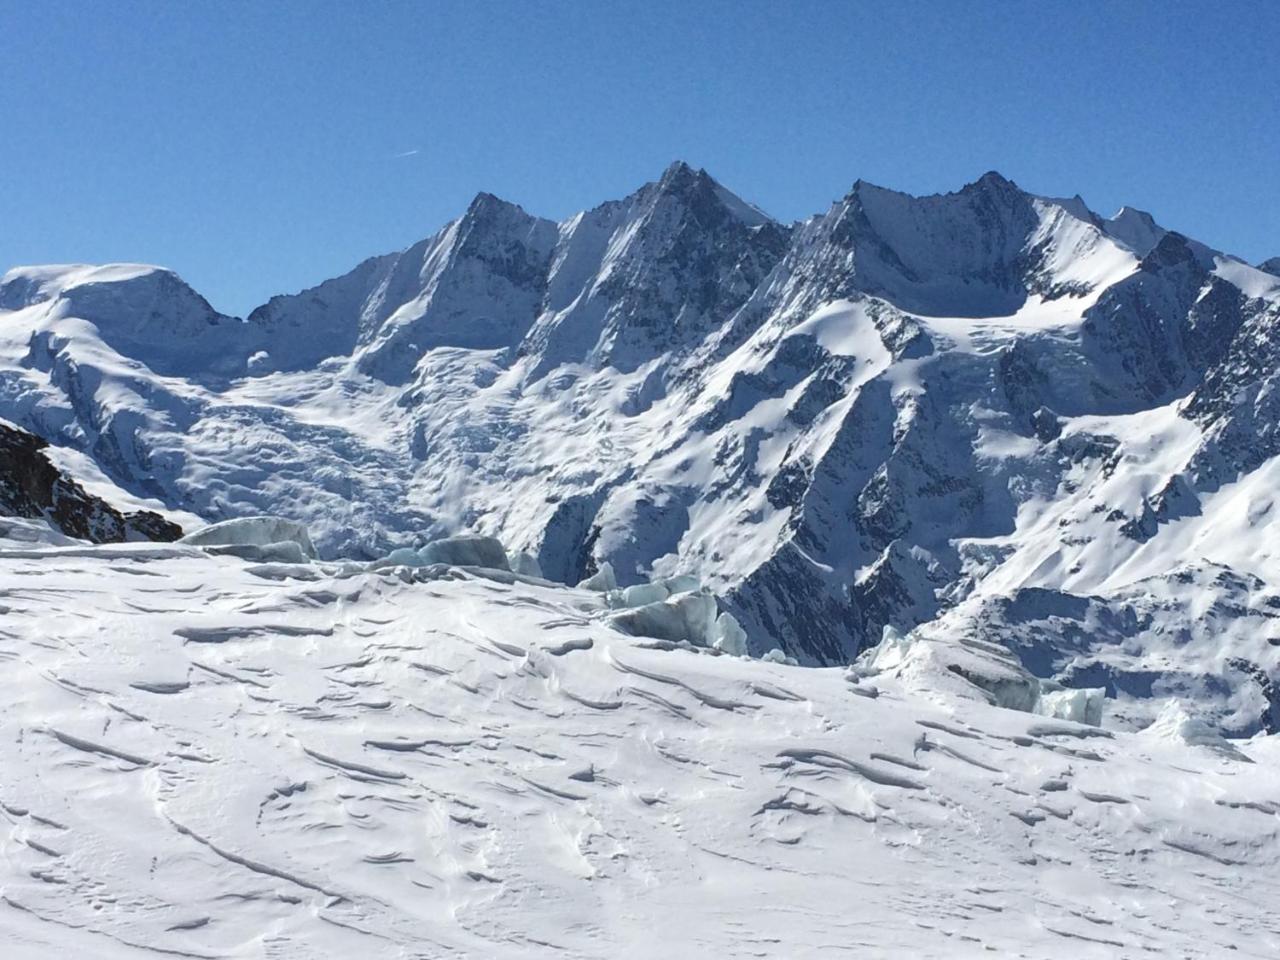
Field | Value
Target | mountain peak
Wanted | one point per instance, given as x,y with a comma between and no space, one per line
681,172
487,204
1271,266
993,178
861,186
989,182
1172,249
483,199
1135,215
697,187
682,180
1136,229
1075,206
124,283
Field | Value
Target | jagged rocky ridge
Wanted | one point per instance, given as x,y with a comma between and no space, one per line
31,487
988,410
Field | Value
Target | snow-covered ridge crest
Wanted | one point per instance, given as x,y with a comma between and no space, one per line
863,420
24,286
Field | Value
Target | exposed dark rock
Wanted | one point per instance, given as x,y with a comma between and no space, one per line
31,486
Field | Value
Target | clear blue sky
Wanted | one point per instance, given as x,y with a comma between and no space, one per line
258,148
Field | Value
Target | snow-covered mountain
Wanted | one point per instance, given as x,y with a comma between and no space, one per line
987,412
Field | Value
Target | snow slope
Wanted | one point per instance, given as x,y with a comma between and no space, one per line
203,757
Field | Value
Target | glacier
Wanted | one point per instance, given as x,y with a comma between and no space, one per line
208,756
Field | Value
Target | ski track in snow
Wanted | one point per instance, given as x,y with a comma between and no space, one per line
220,759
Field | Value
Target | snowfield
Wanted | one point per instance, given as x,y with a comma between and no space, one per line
203,756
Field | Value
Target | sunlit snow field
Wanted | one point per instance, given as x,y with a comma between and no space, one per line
206,757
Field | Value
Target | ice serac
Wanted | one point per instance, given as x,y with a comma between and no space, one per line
985,410
256,538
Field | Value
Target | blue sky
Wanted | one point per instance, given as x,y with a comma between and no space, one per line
258,148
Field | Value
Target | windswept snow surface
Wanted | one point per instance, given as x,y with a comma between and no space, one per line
203,757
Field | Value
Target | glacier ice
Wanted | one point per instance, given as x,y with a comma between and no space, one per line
640,594
483,554
25,531
1177,723
678,609
407,557
689,617
491,735
602,580
930,660
681,583
525,564
728,635
258,538
776,655
466,550
1082,704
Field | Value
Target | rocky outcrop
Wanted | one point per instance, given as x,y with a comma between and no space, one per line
31,486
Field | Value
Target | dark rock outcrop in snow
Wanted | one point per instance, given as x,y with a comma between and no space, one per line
31,486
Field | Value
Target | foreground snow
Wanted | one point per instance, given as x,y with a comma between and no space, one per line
208,757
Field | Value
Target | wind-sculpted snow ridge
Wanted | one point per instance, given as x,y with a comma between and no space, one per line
210,757
980,406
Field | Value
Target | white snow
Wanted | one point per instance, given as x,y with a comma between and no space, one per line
1136,229
208,758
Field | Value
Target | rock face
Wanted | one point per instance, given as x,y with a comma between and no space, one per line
32,487
900,410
